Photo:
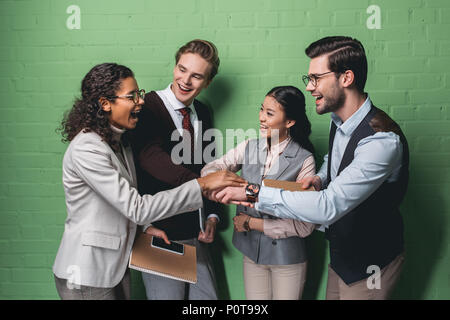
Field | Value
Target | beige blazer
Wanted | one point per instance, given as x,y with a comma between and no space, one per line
103,210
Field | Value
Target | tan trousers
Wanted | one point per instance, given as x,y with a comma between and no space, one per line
274,282
362,290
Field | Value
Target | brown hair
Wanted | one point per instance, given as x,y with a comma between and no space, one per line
345,53
207,50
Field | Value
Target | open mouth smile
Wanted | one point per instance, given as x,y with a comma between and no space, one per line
184,89
318,98
135,114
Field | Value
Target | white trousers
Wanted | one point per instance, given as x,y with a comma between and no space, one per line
274,282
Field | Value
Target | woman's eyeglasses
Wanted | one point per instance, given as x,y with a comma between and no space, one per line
135,95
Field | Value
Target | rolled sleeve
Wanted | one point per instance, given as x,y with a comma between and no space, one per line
268,199
322,173
285,228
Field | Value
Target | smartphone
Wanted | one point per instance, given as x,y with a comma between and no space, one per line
174,247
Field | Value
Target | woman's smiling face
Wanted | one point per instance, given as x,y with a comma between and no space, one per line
272,119
123,111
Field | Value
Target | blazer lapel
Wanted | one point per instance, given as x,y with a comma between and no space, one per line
262,155
284,160
130,164
121,167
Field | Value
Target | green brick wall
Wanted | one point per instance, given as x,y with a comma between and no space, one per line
261,45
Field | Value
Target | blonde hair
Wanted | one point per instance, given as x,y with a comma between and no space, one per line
207,50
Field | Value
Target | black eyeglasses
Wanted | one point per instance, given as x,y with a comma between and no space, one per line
313,78
135,95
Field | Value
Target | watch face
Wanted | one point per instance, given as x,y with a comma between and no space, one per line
253,188
251,191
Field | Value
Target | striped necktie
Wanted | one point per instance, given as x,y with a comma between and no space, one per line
187,125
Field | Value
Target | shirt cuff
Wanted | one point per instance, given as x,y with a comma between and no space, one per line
322,176
266,201
213,215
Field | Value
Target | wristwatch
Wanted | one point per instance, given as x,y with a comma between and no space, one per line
251,191
247,224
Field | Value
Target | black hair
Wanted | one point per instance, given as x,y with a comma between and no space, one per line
293,102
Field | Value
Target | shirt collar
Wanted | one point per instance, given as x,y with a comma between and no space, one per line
173,101
350,125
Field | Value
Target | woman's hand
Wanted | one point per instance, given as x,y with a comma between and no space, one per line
239,221
219,180
157,233
253,223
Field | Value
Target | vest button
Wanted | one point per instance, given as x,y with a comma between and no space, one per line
274,242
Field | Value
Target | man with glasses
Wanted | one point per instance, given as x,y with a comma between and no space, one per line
160,167
361,183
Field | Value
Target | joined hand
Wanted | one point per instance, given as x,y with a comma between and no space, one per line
218,180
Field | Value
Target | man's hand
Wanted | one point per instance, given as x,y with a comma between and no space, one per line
210,231
157,233
218,180
314,181
231,195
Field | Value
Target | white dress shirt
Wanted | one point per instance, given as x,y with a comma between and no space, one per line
173,105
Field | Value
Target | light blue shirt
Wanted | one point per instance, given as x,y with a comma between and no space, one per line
377,159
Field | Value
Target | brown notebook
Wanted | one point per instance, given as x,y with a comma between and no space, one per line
285,185
153,260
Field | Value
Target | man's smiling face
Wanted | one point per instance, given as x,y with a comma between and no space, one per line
190,77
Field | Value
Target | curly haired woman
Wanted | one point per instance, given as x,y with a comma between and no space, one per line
103,205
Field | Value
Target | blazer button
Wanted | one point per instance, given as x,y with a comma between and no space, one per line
274,242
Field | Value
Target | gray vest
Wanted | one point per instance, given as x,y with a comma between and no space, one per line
254,244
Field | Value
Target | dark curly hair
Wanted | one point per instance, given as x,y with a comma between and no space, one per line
293,102
103,80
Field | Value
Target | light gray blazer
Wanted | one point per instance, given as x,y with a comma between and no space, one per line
104,209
